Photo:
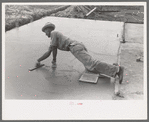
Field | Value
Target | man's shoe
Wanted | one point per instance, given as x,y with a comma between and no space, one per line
54,64
120,74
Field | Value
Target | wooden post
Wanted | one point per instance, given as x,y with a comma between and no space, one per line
90,12
123,36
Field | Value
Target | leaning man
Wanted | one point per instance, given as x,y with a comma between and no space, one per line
61,42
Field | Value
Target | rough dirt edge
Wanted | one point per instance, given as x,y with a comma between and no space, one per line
28,16
133,82
132,86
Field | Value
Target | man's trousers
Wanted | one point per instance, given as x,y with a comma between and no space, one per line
93,65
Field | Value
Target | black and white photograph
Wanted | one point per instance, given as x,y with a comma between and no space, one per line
74,52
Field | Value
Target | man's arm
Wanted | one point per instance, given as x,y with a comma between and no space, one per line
46,55
54,40
54,53
53,47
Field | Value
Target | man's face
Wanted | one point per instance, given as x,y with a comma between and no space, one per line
48,32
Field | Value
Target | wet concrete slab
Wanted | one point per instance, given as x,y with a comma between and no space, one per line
24,45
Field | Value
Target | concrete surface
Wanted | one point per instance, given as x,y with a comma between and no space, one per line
24,45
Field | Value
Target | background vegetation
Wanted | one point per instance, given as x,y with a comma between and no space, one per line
17,15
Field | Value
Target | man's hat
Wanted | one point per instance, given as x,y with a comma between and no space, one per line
48,25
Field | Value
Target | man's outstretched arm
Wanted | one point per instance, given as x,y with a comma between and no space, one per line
54,53
46,55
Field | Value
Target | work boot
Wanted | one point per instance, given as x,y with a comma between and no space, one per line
120,73
54,64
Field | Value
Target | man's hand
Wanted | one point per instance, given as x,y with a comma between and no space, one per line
37,64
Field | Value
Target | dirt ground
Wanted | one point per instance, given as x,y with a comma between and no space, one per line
18,15
133,84
129,14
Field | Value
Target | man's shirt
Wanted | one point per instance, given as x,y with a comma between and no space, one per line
60,41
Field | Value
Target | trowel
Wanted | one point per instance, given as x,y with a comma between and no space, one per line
36,67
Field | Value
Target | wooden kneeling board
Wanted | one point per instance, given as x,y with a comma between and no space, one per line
89,77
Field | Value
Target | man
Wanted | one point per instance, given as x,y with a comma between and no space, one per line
58,40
